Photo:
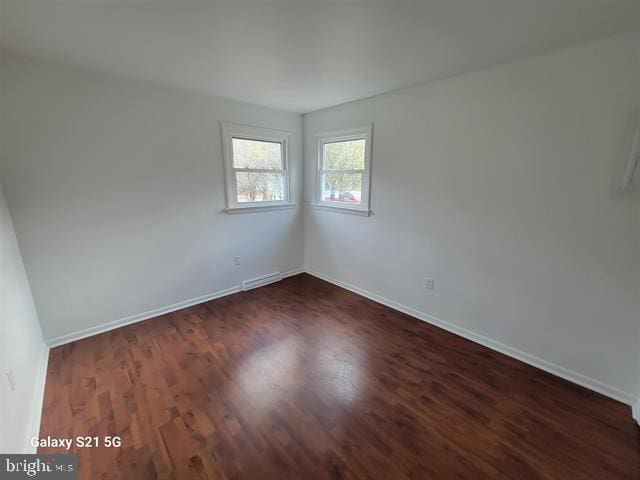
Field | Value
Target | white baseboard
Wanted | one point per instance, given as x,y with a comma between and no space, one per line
575,377
291,273
105,327
552,368
38,400
635,410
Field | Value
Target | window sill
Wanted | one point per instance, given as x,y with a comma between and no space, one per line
261,208
337,209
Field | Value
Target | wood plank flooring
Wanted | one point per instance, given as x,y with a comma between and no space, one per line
304,380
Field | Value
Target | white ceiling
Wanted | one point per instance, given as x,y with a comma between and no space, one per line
301,55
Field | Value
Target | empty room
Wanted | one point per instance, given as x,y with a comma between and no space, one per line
320,239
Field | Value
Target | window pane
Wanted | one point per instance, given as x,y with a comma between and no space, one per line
347,155
257,154
342,187
259,187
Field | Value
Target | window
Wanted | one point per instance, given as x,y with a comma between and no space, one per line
344,170
255,168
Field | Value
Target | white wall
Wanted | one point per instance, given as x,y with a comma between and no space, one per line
116,191
497,184
21,346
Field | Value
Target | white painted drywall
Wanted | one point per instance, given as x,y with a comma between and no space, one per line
497,184
22,349
116,190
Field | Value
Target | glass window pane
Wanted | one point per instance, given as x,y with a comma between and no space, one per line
259,187
257,154
342,188
346,155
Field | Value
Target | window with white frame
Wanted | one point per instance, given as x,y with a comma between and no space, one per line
256,170
344,170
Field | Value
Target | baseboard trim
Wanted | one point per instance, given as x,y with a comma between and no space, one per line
291,273
635,410
38,400
139,317
570,375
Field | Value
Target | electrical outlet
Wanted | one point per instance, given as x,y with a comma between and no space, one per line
236,260
12,380
428,283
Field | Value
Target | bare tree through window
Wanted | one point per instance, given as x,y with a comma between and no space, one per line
258,170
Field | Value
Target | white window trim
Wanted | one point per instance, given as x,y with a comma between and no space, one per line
234,130
342,135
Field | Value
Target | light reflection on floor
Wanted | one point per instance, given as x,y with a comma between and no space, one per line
339,364
275,371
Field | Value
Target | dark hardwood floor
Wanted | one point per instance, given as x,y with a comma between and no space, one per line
304,380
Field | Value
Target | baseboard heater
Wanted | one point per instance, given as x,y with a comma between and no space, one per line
261,281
